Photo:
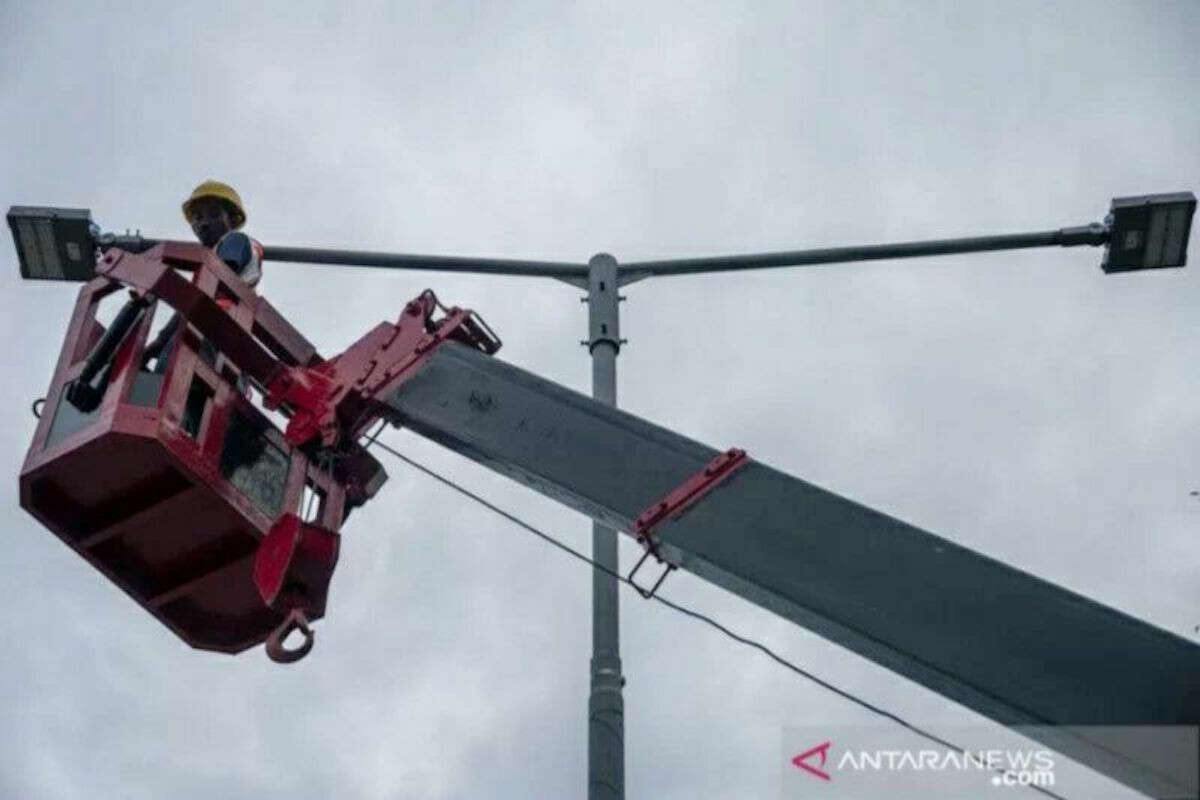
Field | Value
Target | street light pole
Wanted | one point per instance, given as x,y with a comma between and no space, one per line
1144,232
606,707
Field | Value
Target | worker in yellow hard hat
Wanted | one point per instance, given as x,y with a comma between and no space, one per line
216,214
213,209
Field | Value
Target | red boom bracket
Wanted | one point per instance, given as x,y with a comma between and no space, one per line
338,399
681,498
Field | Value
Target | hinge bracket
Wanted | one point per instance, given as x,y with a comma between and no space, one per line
677,501
336,399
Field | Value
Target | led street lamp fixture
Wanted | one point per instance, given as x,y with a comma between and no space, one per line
1149,232
54,243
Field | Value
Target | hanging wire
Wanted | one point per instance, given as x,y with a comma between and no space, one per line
759,646
375,435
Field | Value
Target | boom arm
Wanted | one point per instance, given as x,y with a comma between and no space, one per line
1004,643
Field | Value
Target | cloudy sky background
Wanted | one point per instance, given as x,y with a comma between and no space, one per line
1022,404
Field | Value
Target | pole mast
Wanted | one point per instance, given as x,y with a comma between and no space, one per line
606,706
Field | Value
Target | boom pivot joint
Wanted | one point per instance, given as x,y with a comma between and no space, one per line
338,399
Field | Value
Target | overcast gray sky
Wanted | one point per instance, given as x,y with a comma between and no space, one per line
1022,404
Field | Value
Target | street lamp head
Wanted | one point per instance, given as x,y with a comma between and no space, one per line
1148,232
54,243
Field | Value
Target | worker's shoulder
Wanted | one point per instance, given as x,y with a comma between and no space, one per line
243,253
240,239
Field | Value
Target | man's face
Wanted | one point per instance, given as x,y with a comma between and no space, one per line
210,220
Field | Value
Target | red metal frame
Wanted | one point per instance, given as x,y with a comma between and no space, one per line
139,488
340,398
141,498
676,502
332,401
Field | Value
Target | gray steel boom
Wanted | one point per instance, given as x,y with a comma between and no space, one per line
1000,641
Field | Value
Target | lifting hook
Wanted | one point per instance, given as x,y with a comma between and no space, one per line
295,621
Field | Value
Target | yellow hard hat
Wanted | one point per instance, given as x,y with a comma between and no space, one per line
218,191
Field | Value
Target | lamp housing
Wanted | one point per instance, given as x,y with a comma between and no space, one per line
1148,231
56,244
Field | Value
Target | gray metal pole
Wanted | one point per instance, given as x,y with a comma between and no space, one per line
361,258
606,707
1094,234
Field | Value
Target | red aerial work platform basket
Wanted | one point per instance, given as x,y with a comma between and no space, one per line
168,479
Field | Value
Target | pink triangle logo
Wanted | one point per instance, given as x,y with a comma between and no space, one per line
820,751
